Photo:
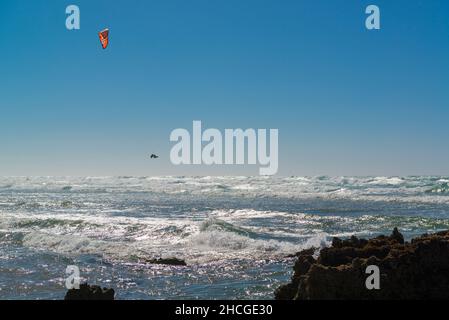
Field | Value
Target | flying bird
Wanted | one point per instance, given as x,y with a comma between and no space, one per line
104,38
153,156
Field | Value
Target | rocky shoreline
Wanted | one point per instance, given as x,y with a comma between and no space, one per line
418,269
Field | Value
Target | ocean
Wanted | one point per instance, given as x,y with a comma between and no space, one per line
235,233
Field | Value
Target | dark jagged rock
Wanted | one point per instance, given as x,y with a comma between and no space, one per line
398,236
87,292
302,266
310,252
168,261
415,270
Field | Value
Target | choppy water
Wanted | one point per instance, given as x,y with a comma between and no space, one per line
234,232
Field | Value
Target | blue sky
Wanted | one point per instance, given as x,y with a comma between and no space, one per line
346,101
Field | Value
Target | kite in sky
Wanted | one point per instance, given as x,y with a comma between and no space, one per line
104,38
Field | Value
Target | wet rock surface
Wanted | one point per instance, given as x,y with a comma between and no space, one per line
87,292
168,261
408,270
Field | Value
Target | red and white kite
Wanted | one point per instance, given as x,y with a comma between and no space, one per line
104,38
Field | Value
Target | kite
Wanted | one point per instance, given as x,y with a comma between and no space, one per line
104,38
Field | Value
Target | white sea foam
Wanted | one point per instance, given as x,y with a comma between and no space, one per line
207,218
377,188
387,181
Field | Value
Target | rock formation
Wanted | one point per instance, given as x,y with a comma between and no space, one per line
167,261
415,270
87,292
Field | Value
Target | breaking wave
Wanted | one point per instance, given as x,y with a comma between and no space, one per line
212,218
440,189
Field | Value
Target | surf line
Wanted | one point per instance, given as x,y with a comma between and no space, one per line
189,148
